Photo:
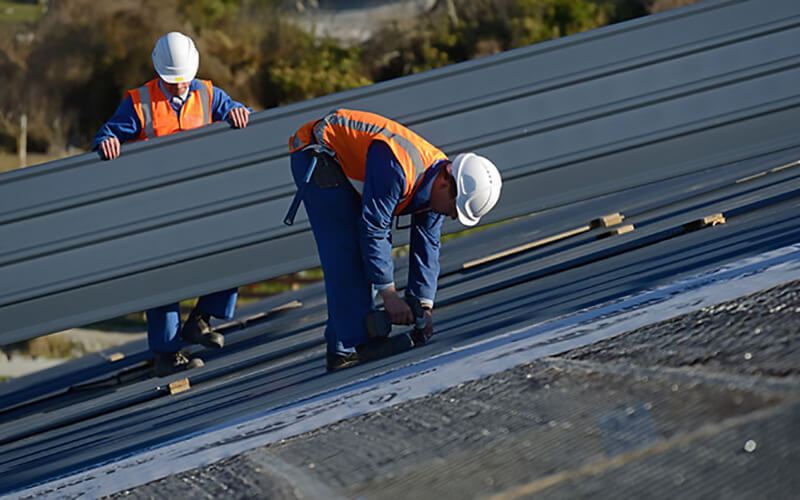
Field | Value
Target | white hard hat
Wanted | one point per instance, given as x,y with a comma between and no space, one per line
175,58
478,183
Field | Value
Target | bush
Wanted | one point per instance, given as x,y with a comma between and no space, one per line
311,68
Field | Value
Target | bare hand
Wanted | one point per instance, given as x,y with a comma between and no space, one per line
398,309
239,117
110,148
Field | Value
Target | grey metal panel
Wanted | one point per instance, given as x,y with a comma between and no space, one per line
566,120
132,292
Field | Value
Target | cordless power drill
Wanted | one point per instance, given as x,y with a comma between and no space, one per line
379,324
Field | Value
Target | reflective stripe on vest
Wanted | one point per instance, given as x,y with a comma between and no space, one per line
205,102
370,128
150,97
355,131
295,143
147,111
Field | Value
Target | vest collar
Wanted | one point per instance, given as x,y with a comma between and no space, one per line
176,101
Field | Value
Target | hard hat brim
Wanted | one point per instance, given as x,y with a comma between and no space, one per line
464,216
176,78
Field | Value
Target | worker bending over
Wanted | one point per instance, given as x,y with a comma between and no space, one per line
173,102
370,169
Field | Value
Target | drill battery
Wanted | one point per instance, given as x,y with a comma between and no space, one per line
380,325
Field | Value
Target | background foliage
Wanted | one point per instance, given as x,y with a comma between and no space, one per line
68,67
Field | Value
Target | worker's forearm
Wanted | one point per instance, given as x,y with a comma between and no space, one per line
222,104
423,268
384,182
389,290
124,125
378,264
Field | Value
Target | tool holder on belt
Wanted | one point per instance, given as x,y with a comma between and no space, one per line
323,169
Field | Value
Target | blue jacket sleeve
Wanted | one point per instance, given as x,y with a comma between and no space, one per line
124,125
383,188
222,104
423,266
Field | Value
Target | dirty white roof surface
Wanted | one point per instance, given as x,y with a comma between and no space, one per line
683,123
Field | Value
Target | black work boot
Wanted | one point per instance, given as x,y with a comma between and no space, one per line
167,363
197,331
334,361
374,348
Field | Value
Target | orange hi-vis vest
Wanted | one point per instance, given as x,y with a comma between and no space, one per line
349,134
157,116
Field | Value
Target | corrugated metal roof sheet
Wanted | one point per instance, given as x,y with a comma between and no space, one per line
698,123
566,121
98,410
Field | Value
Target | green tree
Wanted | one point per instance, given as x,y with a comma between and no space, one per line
312,68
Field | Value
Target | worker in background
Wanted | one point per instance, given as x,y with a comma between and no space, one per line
173,102
369,170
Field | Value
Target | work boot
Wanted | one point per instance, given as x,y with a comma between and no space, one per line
167,363
375,348
197,331
334,361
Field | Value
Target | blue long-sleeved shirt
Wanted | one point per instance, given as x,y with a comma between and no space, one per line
383,189
125,125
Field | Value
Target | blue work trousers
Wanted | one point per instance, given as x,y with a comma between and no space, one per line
164,323
334,213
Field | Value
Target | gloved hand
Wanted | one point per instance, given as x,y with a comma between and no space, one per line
427,333
398,309
423,321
